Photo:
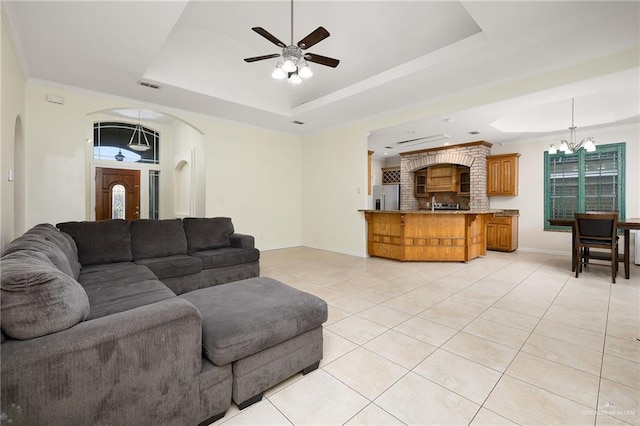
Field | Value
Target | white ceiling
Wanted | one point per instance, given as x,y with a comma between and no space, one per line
393,55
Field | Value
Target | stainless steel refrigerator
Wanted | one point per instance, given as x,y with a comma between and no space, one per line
386,197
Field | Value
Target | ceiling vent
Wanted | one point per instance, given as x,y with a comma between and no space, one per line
426,139
388,147
297,122
149,85
474,132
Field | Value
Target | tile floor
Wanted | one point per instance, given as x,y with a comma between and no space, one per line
511,338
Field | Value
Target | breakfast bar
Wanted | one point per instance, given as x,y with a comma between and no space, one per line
426,235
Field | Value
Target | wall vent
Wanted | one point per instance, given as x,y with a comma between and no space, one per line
147,84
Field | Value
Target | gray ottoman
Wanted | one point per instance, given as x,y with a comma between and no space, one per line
266,329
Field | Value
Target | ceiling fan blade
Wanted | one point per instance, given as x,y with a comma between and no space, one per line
322,60
266,34
260,58
315,37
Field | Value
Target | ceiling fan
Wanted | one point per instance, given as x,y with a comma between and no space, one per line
295,60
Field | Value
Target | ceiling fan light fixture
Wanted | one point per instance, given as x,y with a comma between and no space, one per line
294,79
304,71
278,73
289,65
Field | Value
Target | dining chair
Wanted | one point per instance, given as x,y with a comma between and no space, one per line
596,230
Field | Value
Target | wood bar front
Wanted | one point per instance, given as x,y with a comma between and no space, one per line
457,236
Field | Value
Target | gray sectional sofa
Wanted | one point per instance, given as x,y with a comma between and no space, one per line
145,322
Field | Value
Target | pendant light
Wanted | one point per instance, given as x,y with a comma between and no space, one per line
571,146
139,145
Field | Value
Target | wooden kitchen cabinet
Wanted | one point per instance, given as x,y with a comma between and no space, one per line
442,178
502,174
420,183
502,233
464,181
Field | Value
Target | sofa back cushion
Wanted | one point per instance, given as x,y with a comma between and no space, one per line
58,246
106,241
207,233
37,298
157,238
35,242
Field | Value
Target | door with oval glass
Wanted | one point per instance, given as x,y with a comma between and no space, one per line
117,194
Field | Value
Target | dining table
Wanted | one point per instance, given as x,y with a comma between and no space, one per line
625,226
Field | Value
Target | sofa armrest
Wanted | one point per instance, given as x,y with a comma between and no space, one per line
242,241
109,370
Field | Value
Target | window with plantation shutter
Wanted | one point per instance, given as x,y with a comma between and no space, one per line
584,182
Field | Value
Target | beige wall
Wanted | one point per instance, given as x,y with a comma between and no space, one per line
250,174
12,133
334,188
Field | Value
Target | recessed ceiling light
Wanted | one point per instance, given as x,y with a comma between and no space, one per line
446,143
386,153
448,120
411,132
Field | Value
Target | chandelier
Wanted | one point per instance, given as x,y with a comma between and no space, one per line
571,146
138,145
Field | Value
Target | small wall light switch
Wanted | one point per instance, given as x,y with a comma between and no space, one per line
10,175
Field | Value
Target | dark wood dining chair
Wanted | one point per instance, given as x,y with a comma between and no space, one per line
596,230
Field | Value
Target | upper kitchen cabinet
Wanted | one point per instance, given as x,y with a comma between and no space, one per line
442,178
420,183
502,174
464,180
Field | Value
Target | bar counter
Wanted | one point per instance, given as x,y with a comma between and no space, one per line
426,235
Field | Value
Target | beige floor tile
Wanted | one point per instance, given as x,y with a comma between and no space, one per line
356,329
418,401
425,330
283,384
453,313
334,346
587,320
624,328
409,303
621,370
365,372
627,348
568,382
328,294
619,401
489,418
499,333
261,413
512,319
400,348
385,316
373,415
565,353
569,334
605,420
375,295
335,314
464,377
482,351
530,405
351,304
319,399
231,412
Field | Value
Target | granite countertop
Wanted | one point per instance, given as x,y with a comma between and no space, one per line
475,211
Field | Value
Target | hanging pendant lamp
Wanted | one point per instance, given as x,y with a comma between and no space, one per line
139,145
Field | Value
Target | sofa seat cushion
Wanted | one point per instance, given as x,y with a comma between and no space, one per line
37,298
172,266
106,241
207,233
226,256
120,287
245,317
157,238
